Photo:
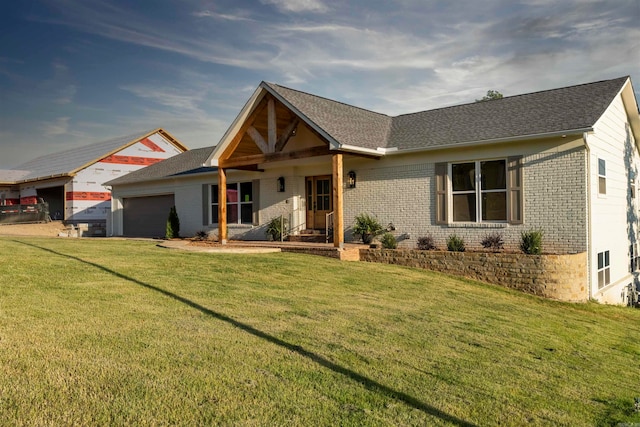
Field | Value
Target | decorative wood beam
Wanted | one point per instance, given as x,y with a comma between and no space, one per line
222,206
258,139
243,129
273,157
272,125
338,208
287,134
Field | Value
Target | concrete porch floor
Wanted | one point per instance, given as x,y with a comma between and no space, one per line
350,252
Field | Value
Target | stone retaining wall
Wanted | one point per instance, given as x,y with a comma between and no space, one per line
559,277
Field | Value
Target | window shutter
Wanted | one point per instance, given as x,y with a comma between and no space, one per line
255,206
441,193
514,190
206,188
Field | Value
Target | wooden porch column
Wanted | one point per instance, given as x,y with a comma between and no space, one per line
222,206
338,218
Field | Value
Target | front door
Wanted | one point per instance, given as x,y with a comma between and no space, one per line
319,201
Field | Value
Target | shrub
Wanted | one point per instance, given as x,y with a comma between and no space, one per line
202,235
531,242
493,241
426,243
276,228
388,241
455,244
367,227
173,224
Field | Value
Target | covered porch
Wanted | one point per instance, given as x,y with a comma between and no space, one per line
272,138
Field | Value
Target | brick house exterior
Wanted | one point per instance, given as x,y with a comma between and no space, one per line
564,161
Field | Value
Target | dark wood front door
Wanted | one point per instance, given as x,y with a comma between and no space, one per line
319,201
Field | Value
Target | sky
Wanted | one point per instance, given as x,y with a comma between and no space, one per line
76,72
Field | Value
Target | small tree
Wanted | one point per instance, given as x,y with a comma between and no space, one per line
491,95
173,224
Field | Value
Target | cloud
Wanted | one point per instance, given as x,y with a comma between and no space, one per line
59,126
298,6
221,16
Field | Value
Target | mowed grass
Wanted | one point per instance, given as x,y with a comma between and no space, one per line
111,332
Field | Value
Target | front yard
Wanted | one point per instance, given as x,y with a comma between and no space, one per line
102,332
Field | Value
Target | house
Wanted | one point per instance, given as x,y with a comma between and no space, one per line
71,181
564,161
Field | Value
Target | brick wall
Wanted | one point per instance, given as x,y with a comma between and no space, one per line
554,201
559,277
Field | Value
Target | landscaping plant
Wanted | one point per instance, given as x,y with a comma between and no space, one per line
367,227
531,242
426,243
388,241
276,228
455,244
173,224
493,241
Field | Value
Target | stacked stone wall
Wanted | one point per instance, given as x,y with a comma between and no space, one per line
559,277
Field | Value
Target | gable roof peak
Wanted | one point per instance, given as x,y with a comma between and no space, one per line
275,86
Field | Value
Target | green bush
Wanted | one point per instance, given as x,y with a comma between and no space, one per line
531,242
367,227
455,244
276,228
388,241
173,224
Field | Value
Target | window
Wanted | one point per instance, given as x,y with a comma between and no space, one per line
604,275
479,191
634,255
239,203
602,176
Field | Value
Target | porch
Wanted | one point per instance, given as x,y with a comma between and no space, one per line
350,251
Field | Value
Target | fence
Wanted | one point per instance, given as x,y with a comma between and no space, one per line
20,214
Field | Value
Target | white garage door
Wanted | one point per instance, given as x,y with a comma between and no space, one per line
146,216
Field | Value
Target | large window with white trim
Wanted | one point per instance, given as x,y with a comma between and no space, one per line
239,203
479,191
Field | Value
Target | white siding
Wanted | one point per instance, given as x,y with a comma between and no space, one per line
615,214
87,200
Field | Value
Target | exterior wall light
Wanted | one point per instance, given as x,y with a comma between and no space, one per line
281,184
351,179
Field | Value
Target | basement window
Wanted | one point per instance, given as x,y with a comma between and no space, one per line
604,273
634,256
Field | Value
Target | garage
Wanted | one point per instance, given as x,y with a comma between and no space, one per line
146,216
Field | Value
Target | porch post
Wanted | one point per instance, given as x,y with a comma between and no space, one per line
222,206
338,219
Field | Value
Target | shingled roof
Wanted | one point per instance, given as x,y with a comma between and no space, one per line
187,163
346,124
569,109
70,161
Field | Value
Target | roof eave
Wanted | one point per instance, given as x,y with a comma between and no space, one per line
493,141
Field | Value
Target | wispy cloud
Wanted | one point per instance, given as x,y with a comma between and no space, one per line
222,16
298,6
59,126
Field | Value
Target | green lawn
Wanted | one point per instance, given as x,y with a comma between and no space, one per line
104,332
